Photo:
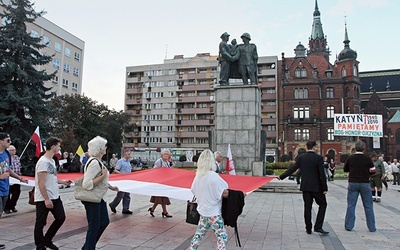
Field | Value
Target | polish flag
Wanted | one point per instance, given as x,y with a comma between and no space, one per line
36,138
170,182
230,167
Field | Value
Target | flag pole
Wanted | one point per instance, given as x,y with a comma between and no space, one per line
23,151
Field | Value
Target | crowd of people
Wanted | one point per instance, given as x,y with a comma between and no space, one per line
367,175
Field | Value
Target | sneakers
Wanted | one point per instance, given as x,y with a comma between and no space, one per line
378,199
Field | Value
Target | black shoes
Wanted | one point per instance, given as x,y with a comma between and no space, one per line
126,212
308,231
112,209
321,231
166,215
51,245
151,212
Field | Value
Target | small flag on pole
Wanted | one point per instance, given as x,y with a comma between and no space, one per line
80,151
36,138
230,167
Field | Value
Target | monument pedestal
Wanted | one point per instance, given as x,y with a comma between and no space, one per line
238,122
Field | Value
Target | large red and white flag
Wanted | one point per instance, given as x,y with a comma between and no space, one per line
170,182
230,167
36,138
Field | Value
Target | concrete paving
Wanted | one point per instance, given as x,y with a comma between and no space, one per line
270,220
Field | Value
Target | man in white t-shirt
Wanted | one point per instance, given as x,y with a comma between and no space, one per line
47,197
396,172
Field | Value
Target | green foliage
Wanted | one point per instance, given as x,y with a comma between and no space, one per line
23,104
269,172
77,119
279,165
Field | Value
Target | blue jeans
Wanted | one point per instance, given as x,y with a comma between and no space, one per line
126,200
97,217
353,190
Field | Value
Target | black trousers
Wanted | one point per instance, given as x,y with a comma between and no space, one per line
320,199
41,217
13,196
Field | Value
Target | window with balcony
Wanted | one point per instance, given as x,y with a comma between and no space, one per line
201,140
190,140
271,128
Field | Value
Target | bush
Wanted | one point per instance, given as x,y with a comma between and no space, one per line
279,165
269,172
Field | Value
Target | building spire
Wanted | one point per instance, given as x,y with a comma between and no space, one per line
347,52
317,42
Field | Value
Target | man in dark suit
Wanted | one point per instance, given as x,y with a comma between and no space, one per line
313,185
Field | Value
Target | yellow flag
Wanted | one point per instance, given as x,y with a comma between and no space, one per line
79,151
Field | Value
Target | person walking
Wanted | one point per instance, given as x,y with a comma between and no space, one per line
360,167
123,166
163,162
94,174
396,172
313,185
47,197
15,189
377,178
209,189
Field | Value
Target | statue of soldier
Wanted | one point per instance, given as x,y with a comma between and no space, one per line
224,58
248,57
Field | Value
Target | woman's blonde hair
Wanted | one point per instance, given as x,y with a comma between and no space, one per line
205,163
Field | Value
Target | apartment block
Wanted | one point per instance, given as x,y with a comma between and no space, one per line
68,51
172,104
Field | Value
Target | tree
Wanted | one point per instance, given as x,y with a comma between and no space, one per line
77,119
24,101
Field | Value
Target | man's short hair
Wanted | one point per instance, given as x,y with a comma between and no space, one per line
311,144
52,141
360,146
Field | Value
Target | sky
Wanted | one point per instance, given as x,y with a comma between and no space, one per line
123,33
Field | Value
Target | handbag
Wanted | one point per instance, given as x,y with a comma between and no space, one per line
94,195
192,215
31,200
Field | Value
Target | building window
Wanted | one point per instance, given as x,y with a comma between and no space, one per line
34,34
190,128
56,63
190,140
170,128
348,110
46,41
201,140
398,136
76,72
301,112
201,128
355,70
65,83
57,46
297,134
67,52
75,87
329,92
271,128
330,135
344,71
169,140
330,112
297,73
66,67
271,90
300,93
77,56
271,103
55,80
347,94
305,134
303,72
